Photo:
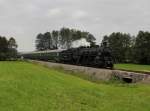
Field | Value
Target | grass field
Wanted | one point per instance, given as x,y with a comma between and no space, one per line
29,87
133,67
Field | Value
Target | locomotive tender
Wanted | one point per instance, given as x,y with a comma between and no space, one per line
99,57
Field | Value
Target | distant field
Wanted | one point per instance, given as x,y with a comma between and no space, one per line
133,67
29,87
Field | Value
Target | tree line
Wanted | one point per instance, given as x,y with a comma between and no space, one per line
131,49
62,38
8,48
125,47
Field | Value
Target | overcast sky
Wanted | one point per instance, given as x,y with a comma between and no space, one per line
24,19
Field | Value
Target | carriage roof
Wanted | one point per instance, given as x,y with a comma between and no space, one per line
46,51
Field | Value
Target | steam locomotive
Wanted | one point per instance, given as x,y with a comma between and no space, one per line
99,57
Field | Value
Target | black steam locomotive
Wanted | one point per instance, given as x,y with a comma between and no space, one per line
99,57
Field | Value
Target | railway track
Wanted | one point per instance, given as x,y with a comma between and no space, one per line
100,74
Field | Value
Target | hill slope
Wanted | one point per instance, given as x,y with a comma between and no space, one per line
29,87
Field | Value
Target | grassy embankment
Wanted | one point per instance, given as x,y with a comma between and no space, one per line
133,67
29,87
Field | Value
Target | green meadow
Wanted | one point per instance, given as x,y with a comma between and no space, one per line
30,87
133,67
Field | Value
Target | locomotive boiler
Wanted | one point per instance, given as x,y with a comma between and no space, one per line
99,57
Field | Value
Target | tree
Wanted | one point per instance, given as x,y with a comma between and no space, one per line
47,41
39,42
8,49
91,39
77,34
63,38
120,44
66,38
12,43
12,46
3,48
55,39
142,48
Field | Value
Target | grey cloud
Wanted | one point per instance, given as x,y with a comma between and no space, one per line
24,19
